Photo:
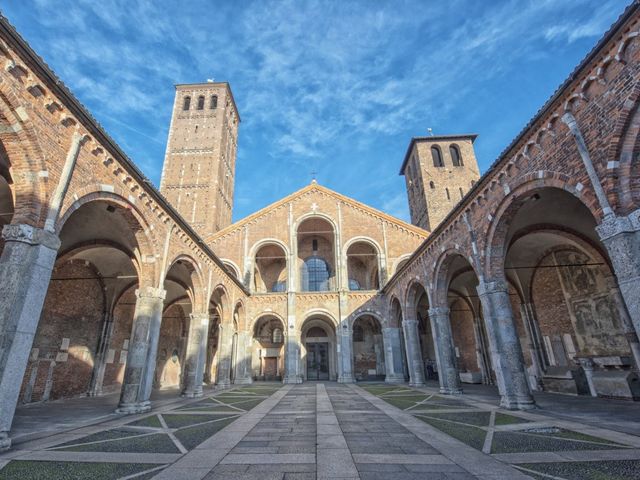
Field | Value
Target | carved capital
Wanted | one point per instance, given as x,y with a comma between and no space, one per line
612,226
150,292
31,235
439,312
489,287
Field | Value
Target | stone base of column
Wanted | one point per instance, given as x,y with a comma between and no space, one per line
192,393
394,379
451,391
416,384
5,441
517,403
243,381
292,380
224,384
133,408
346,379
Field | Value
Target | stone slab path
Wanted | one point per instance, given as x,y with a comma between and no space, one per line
329,431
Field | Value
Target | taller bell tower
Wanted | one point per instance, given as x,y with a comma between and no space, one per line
200,162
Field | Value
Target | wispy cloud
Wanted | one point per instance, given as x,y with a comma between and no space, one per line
337,87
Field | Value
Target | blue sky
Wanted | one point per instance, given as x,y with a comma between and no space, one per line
329,86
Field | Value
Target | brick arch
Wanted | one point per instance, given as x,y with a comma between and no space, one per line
412,297
395,304
441,274
224,304
624,148
240,315
145,239
364,313
251,327
197,295
495,247
26,159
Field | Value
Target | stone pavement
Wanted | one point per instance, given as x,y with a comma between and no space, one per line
329,431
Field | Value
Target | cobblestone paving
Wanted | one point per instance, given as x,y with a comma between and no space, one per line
330,431
535,444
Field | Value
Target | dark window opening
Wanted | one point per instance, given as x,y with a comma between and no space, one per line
186,103
437,157
213,103
456,158
200,102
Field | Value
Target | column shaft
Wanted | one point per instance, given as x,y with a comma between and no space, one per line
506,352
621,238
25,270
225,340
393,358
448,374
196,355
141,359
414,353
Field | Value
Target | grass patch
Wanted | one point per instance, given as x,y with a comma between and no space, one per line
405,401
180,420
150,421
504,419
113,434
478,419
246,404
472,436
155,443
598,470
517,442
35,470
191,437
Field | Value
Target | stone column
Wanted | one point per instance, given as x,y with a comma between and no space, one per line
480,352
621,238
448,374
25,270
143,347
97,378
292,372
196,355
344,336
414,354
243,359
506,352
527,312
225,339
393,358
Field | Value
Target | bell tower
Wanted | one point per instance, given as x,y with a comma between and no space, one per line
200,161
439,171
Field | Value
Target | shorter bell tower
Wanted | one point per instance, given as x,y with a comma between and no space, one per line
439,171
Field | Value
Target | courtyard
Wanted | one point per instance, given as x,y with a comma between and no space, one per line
321,430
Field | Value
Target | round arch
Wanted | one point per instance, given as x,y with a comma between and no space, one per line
319,345
371,272
529,188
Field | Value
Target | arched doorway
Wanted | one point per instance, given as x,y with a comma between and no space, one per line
268,349
319,348
368,349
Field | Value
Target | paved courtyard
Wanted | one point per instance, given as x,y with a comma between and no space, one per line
329,430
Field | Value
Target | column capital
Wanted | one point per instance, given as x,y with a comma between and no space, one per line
488,287
151,292
203,317
612,226
20,232
439,311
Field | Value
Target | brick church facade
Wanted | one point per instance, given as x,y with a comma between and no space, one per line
526,278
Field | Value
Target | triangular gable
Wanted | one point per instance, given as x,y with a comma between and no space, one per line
321,189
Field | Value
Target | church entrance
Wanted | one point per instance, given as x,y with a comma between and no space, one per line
317,361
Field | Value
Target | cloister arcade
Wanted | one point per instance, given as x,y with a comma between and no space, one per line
530,283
